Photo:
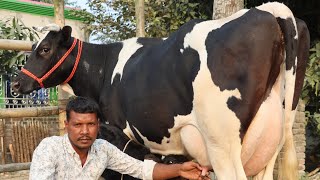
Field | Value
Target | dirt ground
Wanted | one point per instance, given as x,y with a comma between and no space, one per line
24,175
18,175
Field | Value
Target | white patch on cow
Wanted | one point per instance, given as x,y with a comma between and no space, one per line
181,51
100,71
43,37
290,84
86,66
279,10
67,88
130,46
129,132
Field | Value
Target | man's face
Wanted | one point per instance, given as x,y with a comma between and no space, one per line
82,129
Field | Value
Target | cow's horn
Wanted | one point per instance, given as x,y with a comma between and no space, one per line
49,27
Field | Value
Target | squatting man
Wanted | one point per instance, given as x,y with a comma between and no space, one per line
79,155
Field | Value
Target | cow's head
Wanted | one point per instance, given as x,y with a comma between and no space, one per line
41,69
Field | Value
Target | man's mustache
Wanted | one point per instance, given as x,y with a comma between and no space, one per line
84,138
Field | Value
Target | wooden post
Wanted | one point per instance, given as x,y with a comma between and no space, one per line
224,8
7,44
29,112
62,95
139,11
14,167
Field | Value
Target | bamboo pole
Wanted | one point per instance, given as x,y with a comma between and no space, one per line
23,142
62,95
7,44
26,141
31,145
14,147
14,167
29,112
3,154
139,13
18,143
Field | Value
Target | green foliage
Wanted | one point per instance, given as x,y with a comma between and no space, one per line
13,29
311,89
114,20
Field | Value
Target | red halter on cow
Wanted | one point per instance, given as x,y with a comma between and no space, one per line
222,91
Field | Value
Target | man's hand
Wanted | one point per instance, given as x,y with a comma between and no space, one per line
194,171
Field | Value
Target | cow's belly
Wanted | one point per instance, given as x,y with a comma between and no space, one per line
263,136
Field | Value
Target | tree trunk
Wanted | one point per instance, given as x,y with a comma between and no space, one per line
224,8
139,11
62,95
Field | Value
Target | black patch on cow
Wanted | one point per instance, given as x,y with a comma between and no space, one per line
288,29
147,42
246,54
88,81
157,85
116,137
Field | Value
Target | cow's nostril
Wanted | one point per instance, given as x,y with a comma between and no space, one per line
15,86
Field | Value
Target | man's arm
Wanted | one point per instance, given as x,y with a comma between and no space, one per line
189,170
149,169
43,164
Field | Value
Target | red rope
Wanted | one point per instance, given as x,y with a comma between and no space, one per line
32,76
76,63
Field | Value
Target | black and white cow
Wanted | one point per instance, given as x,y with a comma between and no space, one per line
222,91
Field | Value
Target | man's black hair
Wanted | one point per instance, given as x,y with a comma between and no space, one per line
82,105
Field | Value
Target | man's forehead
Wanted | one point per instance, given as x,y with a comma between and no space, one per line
79,116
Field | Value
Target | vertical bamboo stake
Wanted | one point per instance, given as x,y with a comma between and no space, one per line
31,148
14,147
34,134
23,142
2,141
18,143
26,142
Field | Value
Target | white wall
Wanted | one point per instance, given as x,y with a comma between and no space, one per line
35,20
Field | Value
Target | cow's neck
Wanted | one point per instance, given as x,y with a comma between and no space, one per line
94,69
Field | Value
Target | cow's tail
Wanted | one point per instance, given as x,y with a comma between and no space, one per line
288,167
295,73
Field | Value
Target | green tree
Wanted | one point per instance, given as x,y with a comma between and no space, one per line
13,29
311,89
114,19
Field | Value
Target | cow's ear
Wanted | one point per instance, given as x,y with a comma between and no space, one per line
66,33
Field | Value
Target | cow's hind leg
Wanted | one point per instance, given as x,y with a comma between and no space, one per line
267,172
194,144
223,143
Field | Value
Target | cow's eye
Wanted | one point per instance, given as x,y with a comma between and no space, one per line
45,50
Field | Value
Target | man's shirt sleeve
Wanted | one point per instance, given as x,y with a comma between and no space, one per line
125,164
43,161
